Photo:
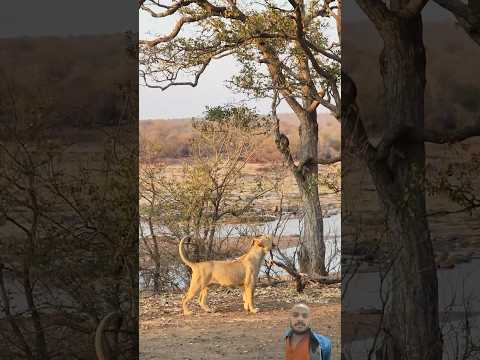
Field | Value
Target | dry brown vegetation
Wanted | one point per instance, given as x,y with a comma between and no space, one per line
173,137
274,173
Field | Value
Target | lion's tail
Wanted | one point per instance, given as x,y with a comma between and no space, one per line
182,254
99,334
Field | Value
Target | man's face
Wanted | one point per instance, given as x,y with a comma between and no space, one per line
300,320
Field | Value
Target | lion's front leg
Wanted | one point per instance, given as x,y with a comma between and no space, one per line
244,297
249,294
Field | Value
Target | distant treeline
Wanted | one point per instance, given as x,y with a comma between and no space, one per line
451,97
53,73
172,138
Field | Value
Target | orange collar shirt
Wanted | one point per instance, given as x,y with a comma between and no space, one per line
298,352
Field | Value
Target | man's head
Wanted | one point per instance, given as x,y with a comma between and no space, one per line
300,318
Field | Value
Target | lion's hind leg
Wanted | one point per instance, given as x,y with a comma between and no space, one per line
202,300
193,290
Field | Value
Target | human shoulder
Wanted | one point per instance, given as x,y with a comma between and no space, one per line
324,341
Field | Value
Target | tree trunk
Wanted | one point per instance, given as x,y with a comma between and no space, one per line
5,298
312,249
156,277
40,342
411,315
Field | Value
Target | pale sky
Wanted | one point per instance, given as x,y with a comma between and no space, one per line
186,101
42,19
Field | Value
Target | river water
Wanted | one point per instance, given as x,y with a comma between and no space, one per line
46,298
287,227
458,288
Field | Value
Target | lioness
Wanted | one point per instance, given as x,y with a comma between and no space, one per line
239,272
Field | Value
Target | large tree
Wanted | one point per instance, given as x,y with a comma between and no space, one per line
397,166
284,54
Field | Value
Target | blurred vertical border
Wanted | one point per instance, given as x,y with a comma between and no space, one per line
69,180
410,170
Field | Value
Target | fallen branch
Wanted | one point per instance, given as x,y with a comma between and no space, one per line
326,280
273,283
300,284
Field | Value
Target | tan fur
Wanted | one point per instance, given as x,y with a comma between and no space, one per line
241,272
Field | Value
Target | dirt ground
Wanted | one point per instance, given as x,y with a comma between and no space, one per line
230,333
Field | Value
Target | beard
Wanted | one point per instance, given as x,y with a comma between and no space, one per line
299,332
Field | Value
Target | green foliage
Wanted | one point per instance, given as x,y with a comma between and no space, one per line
257,35
240,118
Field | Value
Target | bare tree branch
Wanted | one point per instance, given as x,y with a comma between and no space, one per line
332,81
169,9
331,161
376,10
323,52
193,83
467,15
441,137
414,135
178,26
456,7
279,81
